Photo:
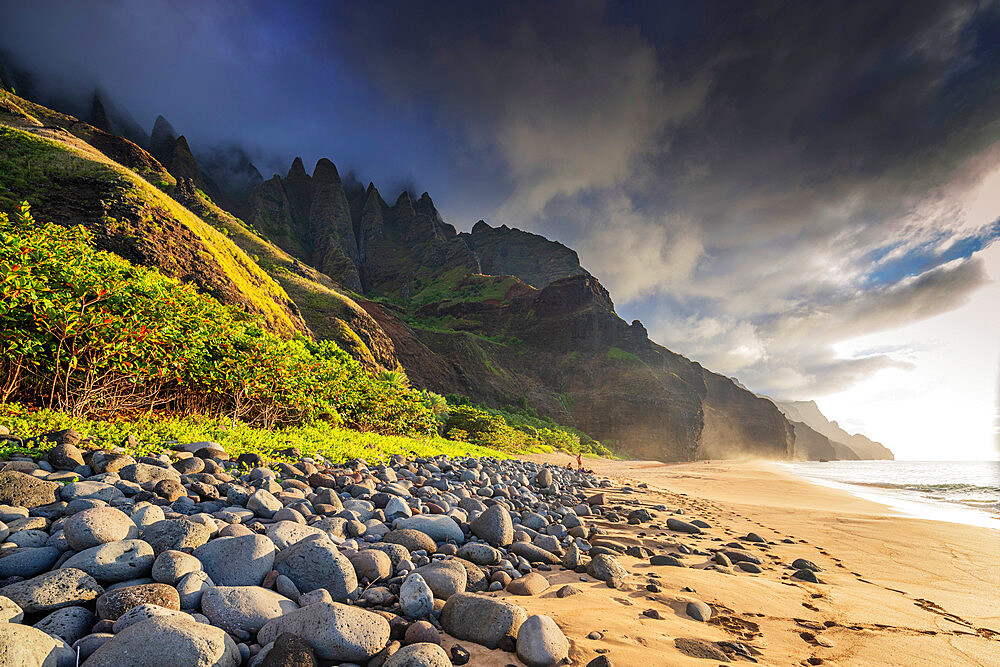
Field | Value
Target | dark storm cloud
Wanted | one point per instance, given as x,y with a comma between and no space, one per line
756,180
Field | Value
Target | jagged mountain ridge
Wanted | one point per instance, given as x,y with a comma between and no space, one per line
842,445
427,306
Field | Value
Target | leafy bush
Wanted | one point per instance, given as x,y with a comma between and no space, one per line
87,332
513,428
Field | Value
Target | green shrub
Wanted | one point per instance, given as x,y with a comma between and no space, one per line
87,332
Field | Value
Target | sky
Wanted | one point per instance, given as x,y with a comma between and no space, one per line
801,195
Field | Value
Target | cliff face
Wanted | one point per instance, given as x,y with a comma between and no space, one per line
502,251
568,354
846,446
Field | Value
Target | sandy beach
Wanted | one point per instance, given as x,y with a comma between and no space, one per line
894,591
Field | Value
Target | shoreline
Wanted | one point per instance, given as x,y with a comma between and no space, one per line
898,590
902,503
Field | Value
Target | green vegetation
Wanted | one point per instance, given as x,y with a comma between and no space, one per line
70,173
619,354
86,332
156,432
515,429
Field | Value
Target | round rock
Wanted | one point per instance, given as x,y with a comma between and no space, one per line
423,654
336,632
114,561
117,601
53,590
98,525
238,561
176,640
243,608
540,642
317,563
30,647
495,526
480,619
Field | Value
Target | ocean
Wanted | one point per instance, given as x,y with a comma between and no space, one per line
958,491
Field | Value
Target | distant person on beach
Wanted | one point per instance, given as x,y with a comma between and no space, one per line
579,461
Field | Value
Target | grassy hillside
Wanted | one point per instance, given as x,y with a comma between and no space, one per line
70,181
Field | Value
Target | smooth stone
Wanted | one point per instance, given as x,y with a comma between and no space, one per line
480,554
99,525
53,590
533,553
25,646
530,584
286,533
439,527
171,566
679,526
177,534
415,596
316,563
665,560
422,631
192,587
68,623
86,646
175,640
540,642
495,526
698,610
412,540
336,632
89,490
805,575
238,561
371,564
606,568
27,561
285,651
145,473
481,619
445,578
423,654
263,504
243,608
114,561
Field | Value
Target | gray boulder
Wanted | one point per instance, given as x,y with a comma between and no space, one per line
25,646
238,561
495,526
177,534
53,590
243,608
68,623
421,654
98,525
440,527
27,561
416,597
174,640
336,632
481,619
316,563
19,489
114,561
444,577
540,642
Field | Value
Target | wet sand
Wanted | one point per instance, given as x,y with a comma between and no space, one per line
896,591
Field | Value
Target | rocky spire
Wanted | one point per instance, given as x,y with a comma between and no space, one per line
161,142
331,230
98,115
